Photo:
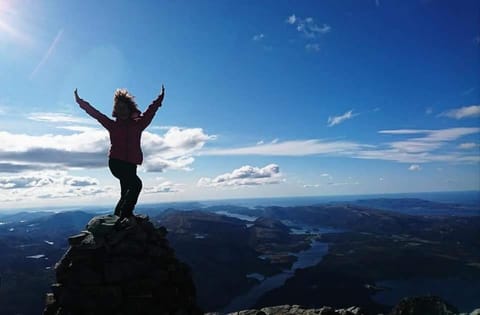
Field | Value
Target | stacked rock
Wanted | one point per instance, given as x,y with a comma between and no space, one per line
121,267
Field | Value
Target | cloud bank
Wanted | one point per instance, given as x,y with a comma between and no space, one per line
87,147
48,185
428,147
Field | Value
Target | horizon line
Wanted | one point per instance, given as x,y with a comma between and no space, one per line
140,205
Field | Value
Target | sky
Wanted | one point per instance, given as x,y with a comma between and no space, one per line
269,98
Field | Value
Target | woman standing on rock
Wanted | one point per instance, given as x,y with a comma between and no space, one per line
125,151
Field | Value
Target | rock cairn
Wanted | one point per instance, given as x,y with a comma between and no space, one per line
121,267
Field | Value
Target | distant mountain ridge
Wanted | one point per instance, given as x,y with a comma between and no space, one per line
415,206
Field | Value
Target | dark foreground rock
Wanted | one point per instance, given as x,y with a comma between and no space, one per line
425,305
297,309
119,268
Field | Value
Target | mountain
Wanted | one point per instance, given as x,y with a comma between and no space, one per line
415,206
121,266
222,251
24,216
329,254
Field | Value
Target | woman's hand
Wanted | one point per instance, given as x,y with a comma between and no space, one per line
77,98
161,96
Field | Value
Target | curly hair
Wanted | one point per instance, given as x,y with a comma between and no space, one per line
122,95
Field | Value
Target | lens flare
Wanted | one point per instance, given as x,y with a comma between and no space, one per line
9,23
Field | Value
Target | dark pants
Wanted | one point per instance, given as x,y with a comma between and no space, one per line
130,185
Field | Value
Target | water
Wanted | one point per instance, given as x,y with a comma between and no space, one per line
237,216
36,256
306,258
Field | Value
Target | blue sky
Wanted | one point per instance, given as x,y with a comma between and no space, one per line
263,98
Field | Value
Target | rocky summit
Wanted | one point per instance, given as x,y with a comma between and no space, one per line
120,267
422,305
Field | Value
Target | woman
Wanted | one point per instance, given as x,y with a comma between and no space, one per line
125,151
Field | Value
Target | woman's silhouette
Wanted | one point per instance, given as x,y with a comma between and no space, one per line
125,151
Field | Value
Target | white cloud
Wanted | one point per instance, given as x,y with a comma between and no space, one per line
78,128
80,181
312,47
58,118
450,134
414,167
95,140
41,179
173,150
164,187
342,183
429,111
245,176
463,112
260,142
291,19
87,148
23,181
290,148
421,157
416,146
258,37
8,167
414,150
433,140
311,186
405,131
31,186
468,145
164,127
332,121
308,27
158,164
325,175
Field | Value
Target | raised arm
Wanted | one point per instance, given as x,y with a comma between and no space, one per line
92,111
152,109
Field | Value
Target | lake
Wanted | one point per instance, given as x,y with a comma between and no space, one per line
306,258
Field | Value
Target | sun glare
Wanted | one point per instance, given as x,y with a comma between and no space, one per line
9,23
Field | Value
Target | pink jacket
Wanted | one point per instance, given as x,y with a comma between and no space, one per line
124,134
